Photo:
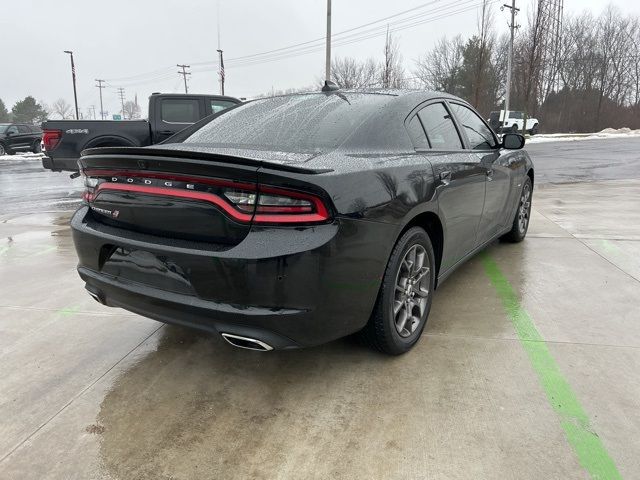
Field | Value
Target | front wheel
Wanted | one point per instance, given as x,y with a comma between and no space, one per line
3,149
523,214
404,300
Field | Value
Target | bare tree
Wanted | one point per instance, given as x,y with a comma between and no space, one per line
131,110
347,72
439,68
485,40
61,108
392,73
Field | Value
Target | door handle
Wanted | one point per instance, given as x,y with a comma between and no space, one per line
165,132
445,177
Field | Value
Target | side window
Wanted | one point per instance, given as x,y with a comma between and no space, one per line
441,131
219,105
516,115
180,110
416,132
480,136
23,129
12,129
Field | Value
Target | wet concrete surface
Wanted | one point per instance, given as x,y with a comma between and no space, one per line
88,392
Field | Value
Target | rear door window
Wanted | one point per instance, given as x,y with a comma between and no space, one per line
440,129
416,132
478,133
23,129
180,110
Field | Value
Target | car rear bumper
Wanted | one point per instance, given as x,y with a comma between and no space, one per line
60,164
286,287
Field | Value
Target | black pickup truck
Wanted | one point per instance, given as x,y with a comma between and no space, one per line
63,140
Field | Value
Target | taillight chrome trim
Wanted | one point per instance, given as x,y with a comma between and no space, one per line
174,192
320,215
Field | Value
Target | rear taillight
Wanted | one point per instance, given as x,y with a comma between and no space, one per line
244,202
51,138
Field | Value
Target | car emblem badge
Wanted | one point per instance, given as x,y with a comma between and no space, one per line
115,213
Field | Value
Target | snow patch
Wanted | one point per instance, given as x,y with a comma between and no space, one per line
23,156
572,137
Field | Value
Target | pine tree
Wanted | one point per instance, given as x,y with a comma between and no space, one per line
28,111
4,113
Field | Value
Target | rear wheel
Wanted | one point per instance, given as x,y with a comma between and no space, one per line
404,300
36,147
523,213
534,130
514,128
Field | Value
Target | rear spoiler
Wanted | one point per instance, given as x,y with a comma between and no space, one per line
170,153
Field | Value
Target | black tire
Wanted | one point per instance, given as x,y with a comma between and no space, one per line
381,332
36,148
4,150
514,128
518,231
534,130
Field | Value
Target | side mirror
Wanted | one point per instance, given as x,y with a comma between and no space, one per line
512,141
9,133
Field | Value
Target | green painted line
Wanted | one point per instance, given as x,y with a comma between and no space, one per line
68,311
588,447
609,247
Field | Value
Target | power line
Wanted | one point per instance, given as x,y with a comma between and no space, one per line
313,46
184,73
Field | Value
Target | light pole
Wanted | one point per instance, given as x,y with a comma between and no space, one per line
327,67
73,77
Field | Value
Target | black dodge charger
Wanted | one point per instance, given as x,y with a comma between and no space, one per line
295,220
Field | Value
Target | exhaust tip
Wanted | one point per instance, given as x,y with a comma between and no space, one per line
96,297
246,342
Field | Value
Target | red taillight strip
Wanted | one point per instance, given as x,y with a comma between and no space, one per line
321,214
170,176
174,192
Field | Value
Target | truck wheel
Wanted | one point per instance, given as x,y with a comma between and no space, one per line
36,147
534,130
514,128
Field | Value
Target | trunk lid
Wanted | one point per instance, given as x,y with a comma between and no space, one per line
172,198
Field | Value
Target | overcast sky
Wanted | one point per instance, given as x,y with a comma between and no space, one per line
137,43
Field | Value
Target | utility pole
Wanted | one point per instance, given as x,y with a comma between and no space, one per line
513,27
73,77
100,86
327,67
221,72
184,73
93,108
121,94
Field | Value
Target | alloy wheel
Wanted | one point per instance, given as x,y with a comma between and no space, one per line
411,290
524,208
2,151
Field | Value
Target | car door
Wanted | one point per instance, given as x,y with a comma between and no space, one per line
461,181
482,142
13,139
177,114
24,137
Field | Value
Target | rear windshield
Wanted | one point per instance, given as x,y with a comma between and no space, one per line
302,123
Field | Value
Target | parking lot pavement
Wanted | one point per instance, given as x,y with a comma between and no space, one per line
91,392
